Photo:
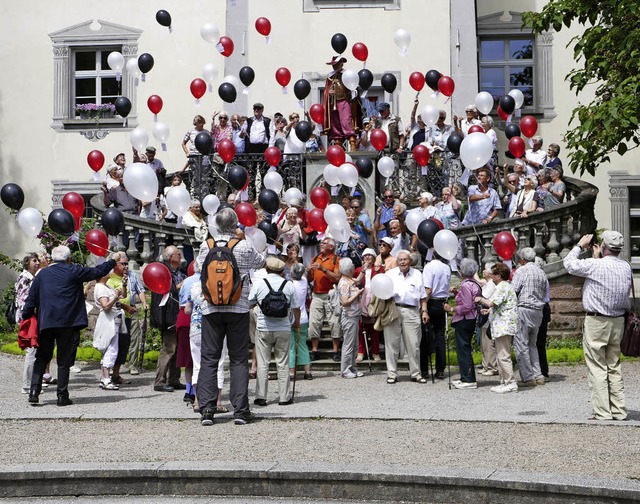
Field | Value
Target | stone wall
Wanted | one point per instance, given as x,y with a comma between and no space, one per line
567,313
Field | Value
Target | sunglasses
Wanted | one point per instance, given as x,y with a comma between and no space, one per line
223,117
123,263
388,197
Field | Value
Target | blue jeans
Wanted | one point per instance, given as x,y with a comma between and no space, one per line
464,330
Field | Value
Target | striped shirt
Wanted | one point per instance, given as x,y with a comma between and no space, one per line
530,284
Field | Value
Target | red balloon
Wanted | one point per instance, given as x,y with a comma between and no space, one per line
320,197
246,214
421,154
154,102
97,242
378,139
316,112
263,25
283,76
476,128
227,150
336,155
225,46
416,79
503,115
273,156
78,223
528,126
95,159
157,277
446,85
191,269
360,51
438,222
516,146
198,88
504,244
315,218
73,202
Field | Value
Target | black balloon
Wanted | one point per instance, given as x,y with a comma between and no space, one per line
145,62
12,196
238,177
223,206
301,89
113,221
61,221
269,200
432,77
507,104
365,166
303,130
247,75
454,141
227,92
389,82
123,106
427,229
163,17
512,130
203,142
422,248
269,229
339,43
366,78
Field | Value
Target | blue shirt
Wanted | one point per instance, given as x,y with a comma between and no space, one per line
481,209
385,216
183,296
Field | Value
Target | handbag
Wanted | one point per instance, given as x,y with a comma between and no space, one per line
630,343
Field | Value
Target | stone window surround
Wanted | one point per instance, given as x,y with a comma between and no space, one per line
619,183
316,5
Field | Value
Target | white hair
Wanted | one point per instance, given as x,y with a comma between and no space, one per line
60,253
346,266
527,254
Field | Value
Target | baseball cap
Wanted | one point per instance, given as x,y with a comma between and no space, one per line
612,240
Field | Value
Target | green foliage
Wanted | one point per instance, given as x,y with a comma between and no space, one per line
79,253
609,53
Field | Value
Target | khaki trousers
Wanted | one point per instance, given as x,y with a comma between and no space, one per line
488,348
503,359
279,341
319,311
405,329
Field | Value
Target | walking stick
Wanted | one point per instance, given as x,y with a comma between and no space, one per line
446,326
143,330
295,364
366,346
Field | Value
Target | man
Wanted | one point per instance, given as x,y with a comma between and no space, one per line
393,128
339,103
164,318
383,215
536,157
605,298
273,333
366,227
230,322
399,237
530,285
384,257
484,202
258,133
119,197
411,301
157,167
324,272
56,296
462,124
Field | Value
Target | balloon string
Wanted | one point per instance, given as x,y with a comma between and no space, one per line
509,119
164,147
284,89
118,76
267,40
245,91
144,77
197,102
170,28
155,117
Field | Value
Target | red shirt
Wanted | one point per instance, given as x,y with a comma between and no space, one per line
321,282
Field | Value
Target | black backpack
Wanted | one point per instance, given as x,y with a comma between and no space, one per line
275,303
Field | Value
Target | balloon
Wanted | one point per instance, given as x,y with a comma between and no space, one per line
257,237
413,220
273,156
30,221
335,215
304,130
73,202
227,150
421,154
330,174
246,214
402,39
340,234
339,43
210,73
273,181
366,78
115,60
233,80
446,85
507,103
112,221
416,80
97,242
141,181
389,82
247,75
348,175
320,197
160,132
203,142
503,115
210,33
351,79
154,103
270,230
133,69
386,166
157,278
139,138
301,89
365,166
382,286
269,201
225,46
529,126
429,114
484,102
163,18
191,269
95,160
61,221
238,177
293,193
476,150
283,76
198,88
438,222
210,203
316,111
427,229
178,200
227,92
378,139
431,78
504,244
123,106
263,25
145,63
516,146
512,130
517,95
446,243
315,219
335,155
454,141
360,51
475,128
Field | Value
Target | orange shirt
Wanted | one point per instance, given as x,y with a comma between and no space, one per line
321,282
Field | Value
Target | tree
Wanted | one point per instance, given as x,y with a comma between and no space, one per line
609,52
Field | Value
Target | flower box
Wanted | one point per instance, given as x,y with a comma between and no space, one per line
95,111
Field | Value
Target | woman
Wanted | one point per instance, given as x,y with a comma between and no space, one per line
30,266
110,319
349,294
193,220
464,322
526,201
354,246
363,275
449,209
299,353
552,156
188,142
426,210
221,131
487,344
364,142
555,189
176,181
418,129
289,229
279,136
293,252
504,324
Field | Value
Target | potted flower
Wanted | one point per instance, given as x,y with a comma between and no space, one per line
94,110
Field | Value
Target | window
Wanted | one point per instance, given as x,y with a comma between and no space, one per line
316,5
93,79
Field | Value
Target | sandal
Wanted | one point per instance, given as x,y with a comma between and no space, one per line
252,375
419,380
108,386
391,380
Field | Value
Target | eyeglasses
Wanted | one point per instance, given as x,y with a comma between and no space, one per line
356,207
223,117
388,196
123,263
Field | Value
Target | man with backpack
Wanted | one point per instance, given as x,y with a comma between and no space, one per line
226,261
274,296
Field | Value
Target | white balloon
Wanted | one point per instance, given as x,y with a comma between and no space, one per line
30,221
484,102
133,69
211,224
141,181
232,79
413,220
517,95
402,39
330,174
209,73
476,150
348,175
273,180
210,33
160,132
386,166
293,193
446,243
350,79
339,234
257,237
429,114
178,200
115,60
382,286
139,138
210,203
335,215
348,158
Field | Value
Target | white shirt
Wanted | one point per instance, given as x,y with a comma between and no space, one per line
301,287
494,138
384,126
399,243
436,276
465,125
409,289
293,145
539,156
259,291
257,135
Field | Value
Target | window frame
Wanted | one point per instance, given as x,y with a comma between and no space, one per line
317,5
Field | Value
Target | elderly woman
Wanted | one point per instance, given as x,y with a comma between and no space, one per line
449,209
464,322
552,156
487,344
292,258
555,189
504,324
279,136
526,200
193,220
363,275
289,229
349,294
221,131
427,211
30,266
299,350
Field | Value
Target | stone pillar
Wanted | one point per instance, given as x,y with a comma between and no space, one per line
61,67
544,73
619,191
464,53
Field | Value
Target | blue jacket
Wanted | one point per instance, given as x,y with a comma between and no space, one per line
57,293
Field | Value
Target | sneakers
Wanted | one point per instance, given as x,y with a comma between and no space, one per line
260,402
489,372
75,369
335,356
314,355
541,381
349,375
465,385
134,371
527,384
245,419
359,374
206,417
505,388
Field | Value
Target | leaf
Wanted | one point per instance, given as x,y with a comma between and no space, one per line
622,148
